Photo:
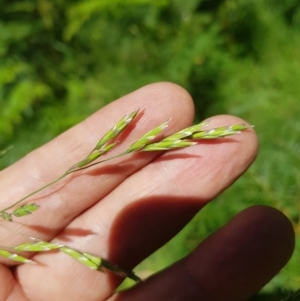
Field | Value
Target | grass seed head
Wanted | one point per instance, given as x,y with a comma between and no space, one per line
147,138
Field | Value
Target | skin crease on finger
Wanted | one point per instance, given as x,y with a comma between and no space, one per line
183,189
231,265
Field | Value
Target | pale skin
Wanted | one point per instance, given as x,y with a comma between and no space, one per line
125,209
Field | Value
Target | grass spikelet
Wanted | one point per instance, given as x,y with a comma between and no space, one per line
15,257
82,258
6,216
167,145
147,138
25,209
187,132
95,259
222,131
102,147
40,246
116,130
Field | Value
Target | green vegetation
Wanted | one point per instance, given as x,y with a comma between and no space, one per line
234,56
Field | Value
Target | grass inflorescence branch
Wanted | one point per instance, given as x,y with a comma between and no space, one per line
147,143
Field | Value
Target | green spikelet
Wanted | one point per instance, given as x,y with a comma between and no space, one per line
25,209
221,131
167,145
187,132
40,246
15,257
79,257
147,138
6,216
116,130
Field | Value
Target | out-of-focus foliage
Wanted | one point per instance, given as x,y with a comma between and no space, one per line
60,60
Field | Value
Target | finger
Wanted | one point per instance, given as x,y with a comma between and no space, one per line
62,202
232,264
144,212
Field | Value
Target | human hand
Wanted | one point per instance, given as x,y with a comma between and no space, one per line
126,209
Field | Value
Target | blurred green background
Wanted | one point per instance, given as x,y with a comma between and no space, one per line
239,57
